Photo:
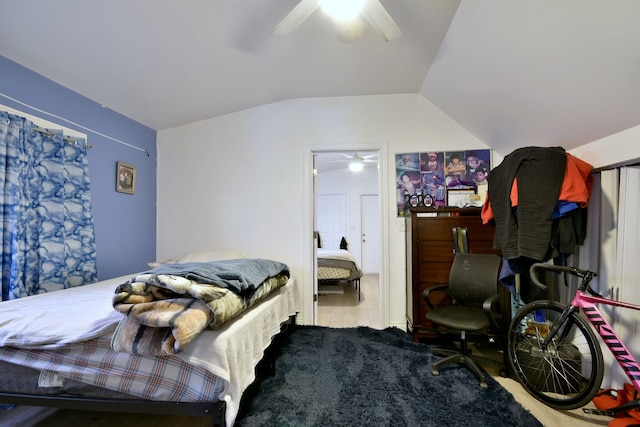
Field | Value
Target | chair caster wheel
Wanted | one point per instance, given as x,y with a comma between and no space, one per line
484,385
435,372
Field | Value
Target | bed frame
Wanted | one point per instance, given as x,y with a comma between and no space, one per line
214,410
336,268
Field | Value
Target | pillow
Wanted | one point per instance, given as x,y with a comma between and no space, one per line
203,256
200,256
343,244
159,263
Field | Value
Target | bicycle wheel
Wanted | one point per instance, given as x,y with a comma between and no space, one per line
568,373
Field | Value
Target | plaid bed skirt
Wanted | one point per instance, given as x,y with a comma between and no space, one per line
164,378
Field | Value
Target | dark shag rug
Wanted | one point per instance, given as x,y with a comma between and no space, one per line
367,377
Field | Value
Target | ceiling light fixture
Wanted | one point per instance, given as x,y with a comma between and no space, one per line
359,10
350,31
356,165
342,10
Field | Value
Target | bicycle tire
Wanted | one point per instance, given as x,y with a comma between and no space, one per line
568,373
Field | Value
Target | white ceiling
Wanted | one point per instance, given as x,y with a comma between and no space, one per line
513,73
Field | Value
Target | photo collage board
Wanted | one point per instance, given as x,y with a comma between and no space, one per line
441,178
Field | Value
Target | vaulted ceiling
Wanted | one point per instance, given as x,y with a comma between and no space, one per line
513,73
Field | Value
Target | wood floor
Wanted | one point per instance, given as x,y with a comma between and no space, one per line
334,311
346,310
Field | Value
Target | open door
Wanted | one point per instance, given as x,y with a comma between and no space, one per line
314,250
313,157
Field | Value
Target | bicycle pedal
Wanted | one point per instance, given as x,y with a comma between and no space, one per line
603,412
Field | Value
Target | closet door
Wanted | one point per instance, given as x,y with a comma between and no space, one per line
332,219
370,220
627,267
599,253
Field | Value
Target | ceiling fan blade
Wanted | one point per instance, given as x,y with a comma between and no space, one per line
380,20
302,11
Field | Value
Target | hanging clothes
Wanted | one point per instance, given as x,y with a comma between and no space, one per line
48,241
525,231
537,199
575,191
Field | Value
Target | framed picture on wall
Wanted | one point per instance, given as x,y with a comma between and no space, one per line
125,178
460,197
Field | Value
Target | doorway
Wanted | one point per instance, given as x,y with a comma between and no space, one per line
348,206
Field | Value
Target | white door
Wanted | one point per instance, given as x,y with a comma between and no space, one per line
370,220
332,219
314,268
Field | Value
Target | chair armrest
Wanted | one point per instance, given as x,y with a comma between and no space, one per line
491,306
428,291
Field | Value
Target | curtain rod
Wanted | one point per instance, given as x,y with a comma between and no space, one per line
71,140
76,124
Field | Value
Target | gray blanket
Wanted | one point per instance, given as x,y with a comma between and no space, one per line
237,275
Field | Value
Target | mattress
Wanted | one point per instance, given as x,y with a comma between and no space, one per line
337,264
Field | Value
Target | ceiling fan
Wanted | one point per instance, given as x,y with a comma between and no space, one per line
356,162
372,10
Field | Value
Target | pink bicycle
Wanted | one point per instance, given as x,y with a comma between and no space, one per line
555,354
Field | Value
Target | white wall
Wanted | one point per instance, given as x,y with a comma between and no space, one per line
612,150
237,181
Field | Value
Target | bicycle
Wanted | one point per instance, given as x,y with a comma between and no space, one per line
554,352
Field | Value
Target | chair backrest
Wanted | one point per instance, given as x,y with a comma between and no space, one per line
474,277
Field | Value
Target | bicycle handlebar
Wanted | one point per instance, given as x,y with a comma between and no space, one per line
583,274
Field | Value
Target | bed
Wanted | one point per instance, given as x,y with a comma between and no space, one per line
337,268
63,362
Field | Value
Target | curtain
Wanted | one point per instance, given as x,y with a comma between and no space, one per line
47,241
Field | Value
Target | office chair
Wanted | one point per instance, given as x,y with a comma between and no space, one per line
473,286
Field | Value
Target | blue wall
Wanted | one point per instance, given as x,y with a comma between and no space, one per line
125,225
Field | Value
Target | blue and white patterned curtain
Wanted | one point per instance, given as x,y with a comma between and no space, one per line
47,241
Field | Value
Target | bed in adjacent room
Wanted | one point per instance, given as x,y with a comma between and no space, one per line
72,349
337,268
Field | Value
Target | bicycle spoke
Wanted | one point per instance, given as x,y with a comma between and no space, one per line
564,373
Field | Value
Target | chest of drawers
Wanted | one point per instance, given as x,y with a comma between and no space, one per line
429,254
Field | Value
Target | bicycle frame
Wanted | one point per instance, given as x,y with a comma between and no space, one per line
619,350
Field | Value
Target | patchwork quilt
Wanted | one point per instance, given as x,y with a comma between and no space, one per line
167,307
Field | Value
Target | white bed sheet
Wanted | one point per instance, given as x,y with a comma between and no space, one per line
62,317
233,351
340,254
